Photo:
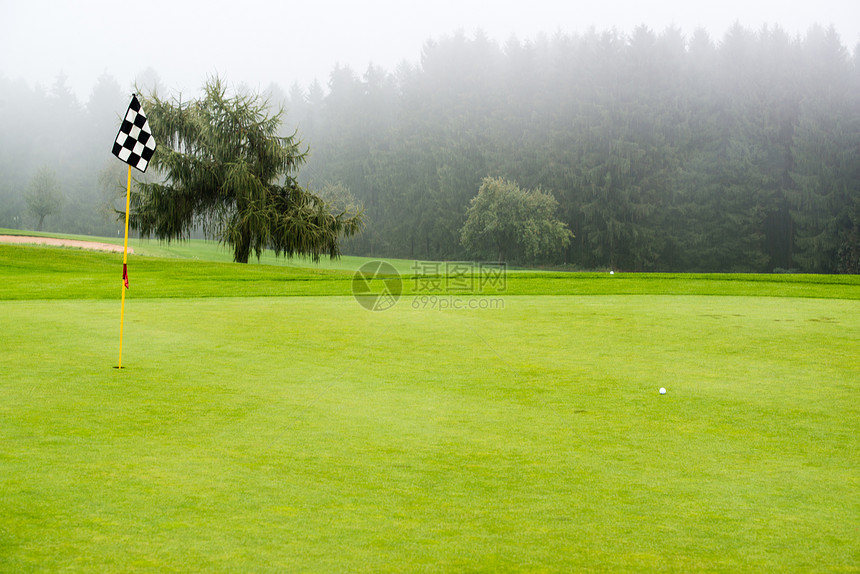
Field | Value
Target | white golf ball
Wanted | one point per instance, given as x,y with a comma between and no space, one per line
662,391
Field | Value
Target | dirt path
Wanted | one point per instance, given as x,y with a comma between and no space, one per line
26,240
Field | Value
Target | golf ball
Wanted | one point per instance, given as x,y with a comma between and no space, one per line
662,391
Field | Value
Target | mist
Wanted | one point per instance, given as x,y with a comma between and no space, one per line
666,148
258,42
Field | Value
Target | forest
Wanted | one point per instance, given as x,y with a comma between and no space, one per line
664,152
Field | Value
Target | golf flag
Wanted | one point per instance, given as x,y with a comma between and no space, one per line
134,143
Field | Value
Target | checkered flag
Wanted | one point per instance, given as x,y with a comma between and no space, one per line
134,143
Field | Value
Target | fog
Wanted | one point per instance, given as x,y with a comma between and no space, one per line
258,42
681,137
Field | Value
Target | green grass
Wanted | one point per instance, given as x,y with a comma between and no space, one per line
212,251
29,272
251,430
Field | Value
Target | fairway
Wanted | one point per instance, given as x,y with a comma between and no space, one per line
304,433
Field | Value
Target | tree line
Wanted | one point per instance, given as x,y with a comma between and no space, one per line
55,162
663,152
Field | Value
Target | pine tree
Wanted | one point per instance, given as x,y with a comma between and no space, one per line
227,171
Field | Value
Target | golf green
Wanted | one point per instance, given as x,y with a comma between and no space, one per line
309,434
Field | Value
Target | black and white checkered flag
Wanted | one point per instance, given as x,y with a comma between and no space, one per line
134,143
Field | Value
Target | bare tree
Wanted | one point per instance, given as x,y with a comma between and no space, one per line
43,196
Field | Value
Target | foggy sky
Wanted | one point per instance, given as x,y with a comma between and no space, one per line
258,42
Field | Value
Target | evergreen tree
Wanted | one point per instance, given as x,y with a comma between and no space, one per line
826,187
227,170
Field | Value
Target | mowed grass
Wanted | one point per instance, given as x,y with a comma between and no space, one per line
31,272
212,251
255,431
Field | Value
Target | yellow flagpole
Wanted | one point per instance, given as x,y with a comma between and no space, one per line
124,262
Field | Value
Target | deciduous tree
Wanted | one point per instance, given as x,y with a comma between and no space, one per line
510,223
43,196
